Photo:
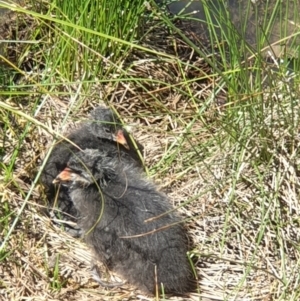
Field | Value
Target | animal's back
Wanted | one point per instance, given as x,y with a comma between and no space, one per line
130,245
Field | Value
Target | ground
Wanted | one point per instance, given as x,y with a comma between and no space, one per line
236,191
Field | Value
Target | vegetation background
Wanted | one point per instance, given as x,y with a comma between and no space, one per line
218,119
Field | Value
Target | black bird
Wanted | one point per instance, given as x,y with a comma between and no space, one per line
127,222
102,131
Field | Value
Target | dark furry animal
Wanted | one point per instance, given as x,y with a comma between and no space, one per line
120,217
103,131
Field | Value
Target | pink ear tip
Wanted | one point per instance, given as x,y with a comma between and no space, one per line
120,138
64,176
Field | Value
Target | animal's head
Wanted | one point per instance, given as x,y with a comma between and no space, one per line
106,125
86,168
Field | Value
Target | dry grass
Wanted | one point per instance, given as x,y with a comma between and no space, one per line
240,194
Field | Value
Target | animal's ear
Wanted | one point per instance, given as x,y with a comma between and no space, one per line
119,137
69,176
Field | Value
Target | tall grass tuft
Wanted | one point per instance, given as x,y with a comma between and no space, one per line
89,40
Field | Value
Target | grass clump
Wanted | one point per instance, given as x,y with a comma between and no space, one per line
94,32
